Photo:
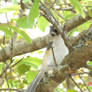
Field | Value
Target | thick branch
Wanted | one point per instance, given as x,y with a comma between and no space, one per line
74,22
21,47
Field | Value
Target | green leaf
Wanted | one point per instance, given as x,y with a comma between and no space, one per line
23,34
90,63
27,22
31,75
34,62
2,65
42,23
25,1
21,85
59,90
90,12
15,1
71,90
90,87
68,15
21,22
22,68
71,33
13,82
33,14
78,7
6,30
9,8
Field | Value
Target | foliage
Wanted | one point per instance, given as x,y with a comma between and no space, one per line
27,16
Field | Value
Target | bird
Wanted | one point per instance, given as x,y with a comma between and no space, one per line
54,55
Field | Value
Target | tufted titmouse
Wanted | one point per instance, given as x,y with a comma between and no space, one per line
56,47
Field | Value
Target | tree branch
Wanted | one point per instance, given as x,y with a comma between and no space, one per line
11,89
74,22
21,47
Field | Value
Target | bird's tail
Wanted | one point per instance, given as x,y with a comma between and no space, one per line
35,82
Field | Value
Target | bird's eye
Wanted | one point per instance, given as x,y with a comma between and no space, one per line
53,31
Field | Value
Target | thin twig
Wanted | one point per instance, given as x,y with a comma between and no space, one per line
17,62
6,79
5,69
61,16
76,84
79,73
12,89
52,4
4,39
